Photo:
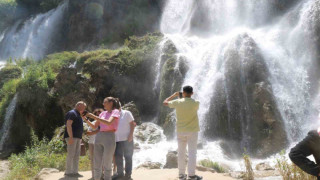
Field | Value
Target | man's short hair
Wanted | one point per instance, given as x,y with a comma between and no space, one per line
188,89
80,102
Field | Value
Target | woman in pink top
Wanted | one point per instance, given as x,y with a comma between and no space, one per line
105,142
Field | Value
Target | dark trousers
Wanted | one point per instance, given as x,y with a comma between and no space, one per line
124,149
310,145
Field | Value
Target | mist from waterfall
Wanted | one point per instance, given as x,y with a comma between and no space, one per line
33,37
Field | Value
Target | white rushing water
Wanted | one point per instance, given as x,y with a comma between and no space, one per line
33,37
284,45
6,127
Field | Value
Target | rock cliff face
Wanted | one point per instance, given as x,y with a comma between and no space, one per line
109,22
243,109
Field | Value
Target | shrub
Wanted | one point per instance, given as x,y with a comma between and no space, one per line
290,171
39,155
213,165
8,72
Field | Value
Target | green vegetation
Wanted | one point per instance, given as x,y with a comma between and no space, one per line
291,171
45,85
41,154
213,165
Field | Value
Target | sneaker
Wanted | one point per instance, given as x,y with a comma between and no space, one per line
68,175
127,177
76,175
117,176
182,177
195,177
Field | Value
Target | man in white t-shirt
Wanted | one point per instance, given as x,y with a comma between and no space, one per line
124,147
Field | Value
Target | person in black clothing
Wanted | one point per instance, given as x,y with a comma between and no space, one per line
310,145
73,136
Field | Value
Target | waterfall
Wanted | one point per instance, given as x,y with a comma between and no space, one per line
31,38
222,39
6,127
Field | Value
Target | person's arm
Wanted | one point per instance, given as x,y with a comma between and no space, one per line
132,126
100,120
69,130
90,133
93,126
166,101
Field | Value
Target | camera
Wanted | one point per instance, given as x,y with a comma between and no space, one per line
180,95
84,113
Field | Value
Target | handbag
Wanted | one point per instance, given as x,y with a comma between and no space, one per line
82,149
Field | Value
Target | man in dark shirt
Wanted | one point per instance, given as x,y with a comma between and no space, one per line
73,136
310,145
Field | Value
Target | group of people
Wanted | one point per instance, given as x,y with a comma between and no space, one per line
111,137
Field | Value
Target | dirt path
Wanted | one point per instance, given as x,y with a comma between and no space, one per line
4,168
143,174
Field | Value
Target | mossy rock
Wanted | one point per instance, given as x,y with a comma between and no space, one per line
9,72
169,126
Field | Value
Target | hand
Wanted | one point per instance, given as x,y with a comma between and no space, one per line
130,138
90,115
176,94
84,118
70,141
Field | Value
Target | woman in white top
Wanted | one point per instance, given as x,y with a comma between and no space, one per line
92,133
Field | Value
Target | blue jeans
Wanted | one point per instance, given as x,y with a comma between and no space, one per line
124,149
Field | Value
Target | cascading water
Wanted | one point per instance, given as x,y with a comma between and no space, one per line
6,127
31,38
223,43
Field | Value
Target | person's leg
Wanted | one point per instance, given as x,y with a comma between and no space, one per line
98,154
192,152
91,148
71,148
77,142
128,153
119,157
302,150
109,149
182,145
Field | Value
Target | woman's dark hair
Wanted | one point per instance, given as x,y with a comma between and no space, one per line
98,110
115,102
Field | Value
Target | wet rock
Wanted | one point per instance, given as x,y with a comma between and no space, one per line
201,143
172,160
150,165
169,126
173,71
264,167
137,146
244,112
134,110
149,133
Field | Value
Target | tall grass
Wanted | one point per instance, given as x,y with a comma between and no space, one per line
213,165
249,175
290,171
